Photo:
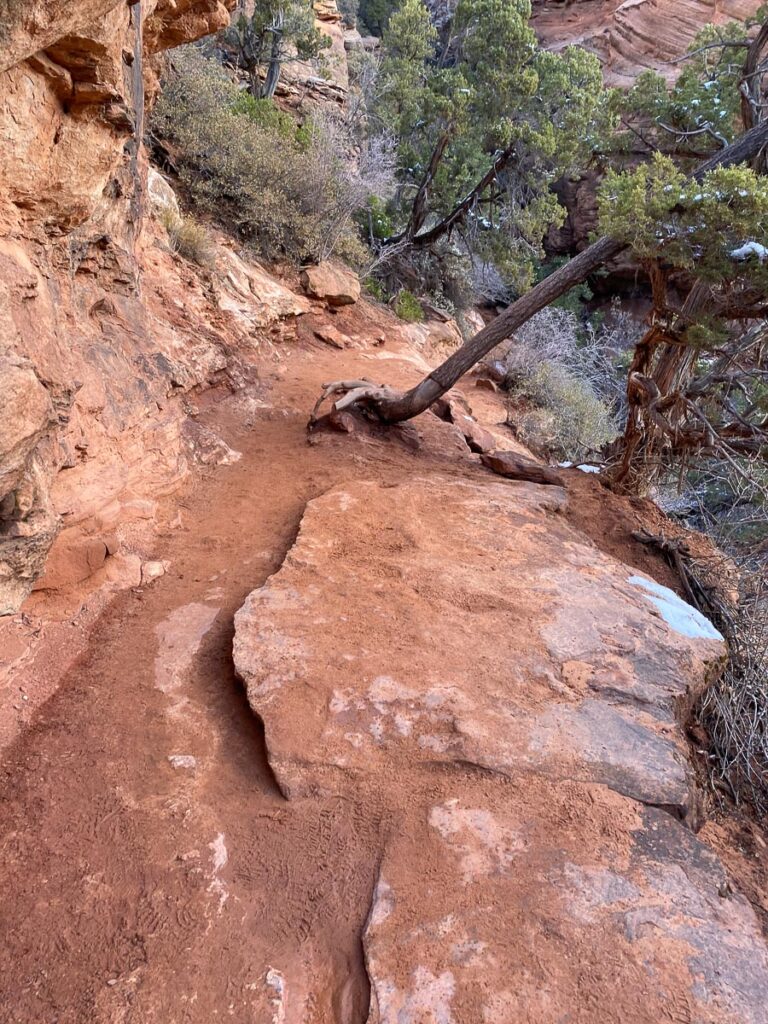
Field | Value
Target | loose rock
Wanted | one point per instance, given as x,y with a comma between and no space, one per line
515,467
334,284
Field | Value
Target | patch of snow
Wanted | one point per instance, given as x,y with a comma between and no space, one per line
584,467
678,614
750,249
275,982
182,761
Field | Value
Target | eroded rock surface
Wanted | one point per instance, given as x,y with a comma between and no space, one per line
632,35
303,85
104,333
456,650
335,284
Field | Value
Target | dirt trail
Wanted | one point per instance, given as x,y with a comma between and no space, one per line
150,868
139,887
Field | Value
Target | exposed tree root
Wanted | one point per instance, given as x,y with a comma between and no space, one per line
363,394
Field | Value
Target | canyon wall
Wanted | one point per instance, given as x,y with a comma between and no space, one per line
632,35
105,334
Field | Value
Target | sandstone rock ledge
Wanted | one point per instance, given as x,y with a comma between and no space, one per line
504,698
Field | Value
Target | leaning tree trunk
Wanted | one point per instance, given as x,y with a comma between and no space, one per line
661,372
394,407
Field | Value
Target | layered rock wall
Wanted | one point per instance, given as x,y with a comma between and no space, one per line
632,35
104,333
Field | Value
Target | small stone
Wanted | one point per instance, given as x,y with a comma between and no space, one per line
182,761
337,285
478,438
331,336
153,570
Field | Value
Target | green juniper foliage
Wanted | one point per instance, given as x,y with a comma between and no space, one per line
481,91
407,307
375,14
282,188
701,112
718,229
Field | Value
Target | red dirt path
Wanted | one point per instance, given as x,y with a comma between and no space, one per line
140,888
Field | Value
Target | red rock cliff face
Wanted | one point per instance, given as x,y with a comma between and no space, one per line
632,35
102,333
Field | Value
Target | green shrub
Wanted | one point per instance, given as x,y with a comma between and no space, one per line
375,219
408,307
568,418
189,238
284,190
375,289
264,114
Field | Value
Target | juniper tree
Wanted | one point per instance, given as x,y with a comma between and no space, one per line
275,32
694,386
485,120
392,406
718,94
697,382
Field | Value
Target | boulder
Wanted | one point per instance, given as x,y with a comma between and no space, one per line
473,321
471,673
478,438
331,336
451,405
183,21
493,369
454,408
516,467
162,198
434,338
73,558
336,285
